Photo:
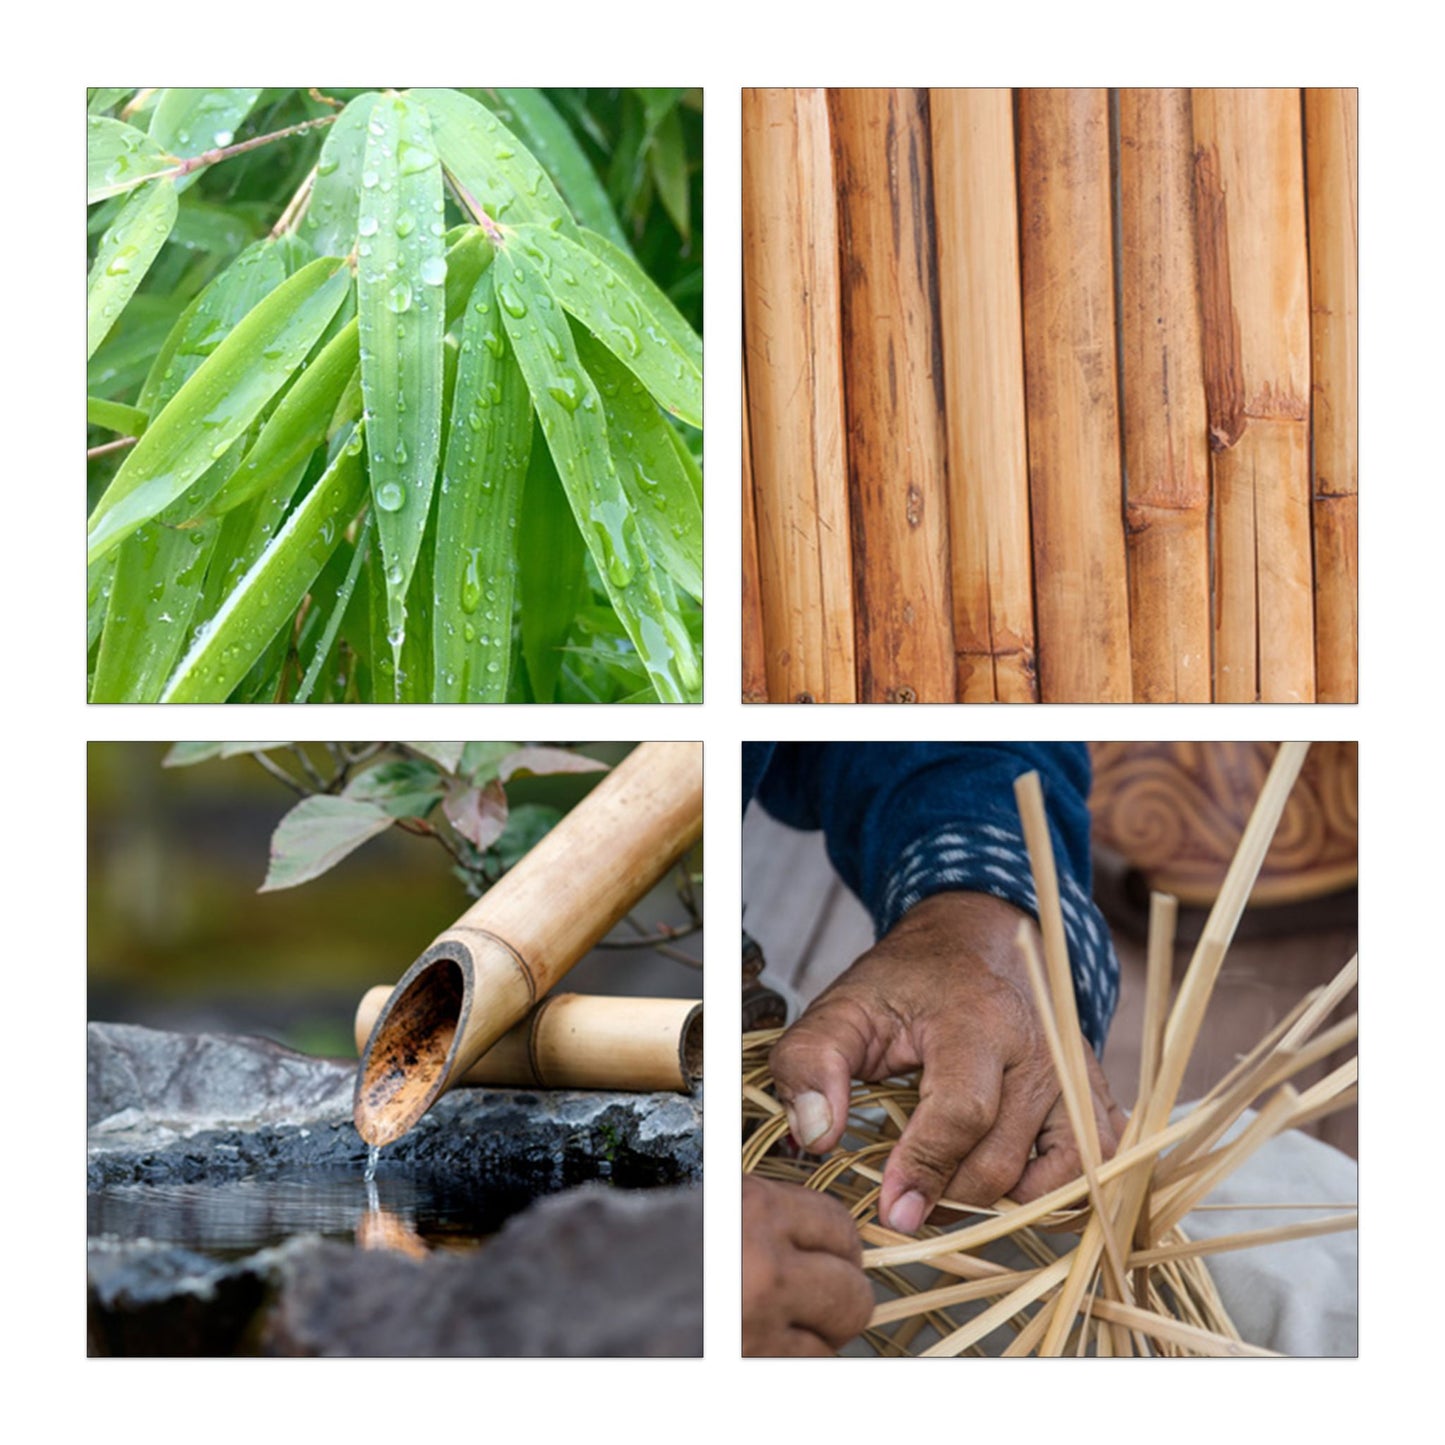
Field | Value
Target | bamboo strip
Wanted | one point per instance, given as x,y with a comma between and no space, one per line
1254,279
895,403
953,1294
791,327
1165,447
1331,120
1076,490
1161,1327
1246,1239
755,660
1159,967
981,335
990,1319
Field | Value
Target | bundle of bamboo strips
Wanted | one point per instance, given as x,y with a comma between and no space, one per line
1101,1265
1034,380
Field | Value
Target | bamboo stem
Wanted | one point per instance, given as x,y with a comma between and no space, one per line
1167,458
483,974
1331,120
981,336
1075,484
794,351
755,652
897,464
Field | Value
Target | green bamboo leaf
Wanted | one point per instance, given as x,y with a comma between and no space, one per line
652,475
605,302
655,301
119,158
490,163
552,575
214,229
469,253
103,98
124,256
124,359
316,835
481,497
689,464
125,421
571,415
298,425
401,304
208,320
330,224
218,403
267,597
659,102
99,579
668,159
551,140
188,121
335,611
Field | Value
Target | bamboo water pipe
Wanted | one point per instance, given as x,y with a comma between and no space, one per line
584,1041
484,973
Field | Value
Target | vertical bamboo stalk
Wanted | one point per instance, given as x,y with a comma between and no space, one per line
1165,447
894,375
1254,281
976,205
755,672
794,359
1069,364
1331,158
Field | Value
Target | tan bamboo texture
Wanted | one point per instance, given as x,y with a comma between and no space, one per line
1050,395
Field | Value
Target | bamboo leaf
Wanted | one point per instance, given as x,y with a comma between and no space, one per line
316,835
659,102
330,224
606,303
668,160
298,425
218,403
188,121
401,305
655,301
337,613
103,98
490,163
647,462
481,498
119,158
269,594
552,577
124,256
571,415
128,421
551,140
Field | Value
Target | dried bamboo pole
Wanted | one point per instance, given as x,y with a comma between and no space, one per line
483,974
897,465
793,350
1331,119
1254,283
1069,361
755,652
981,331
584,1041
1165,446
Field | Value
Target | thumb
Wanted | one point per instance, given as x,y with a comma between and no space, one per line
813,1065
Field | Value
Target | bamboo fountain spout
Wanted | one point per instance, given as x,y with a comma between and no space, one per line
491,966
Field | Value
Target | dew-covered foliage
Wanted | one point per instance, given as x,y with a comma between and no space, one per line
394,395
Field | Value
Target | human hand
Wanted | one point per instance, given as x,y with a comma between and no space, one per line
947,991
804,1291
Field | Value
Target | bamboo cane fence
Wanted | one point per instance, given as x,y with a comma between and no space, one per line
1102,1265
1050,395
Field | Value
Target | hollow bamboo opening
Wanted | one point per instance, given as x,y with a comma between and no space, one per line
408,1056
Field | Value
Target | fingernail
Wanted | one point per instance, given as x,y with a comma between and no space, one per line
908,1211
809,1118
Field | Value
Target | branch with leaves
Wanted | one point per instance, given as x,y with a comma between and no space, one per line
405,396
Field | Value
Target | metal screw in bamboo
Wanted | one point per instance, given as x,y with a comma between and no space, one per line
1105,1266
1069,350
484,973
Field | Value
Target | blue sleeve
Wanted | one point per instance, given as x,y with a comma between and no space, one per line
903,821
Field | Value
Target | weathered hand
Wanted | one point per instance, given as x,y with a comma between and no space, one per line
946,991
804,1292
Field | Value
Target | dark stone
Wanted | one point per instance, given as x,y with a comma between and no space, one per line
591,1272
597,1271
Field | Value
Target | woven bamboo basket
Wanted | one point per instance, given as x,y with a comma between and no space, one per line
1051,395
1100,1266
